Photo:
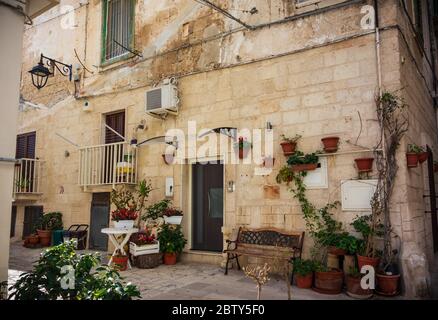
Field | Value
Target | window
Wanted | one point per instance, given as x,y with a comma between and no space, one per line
25,148
118,29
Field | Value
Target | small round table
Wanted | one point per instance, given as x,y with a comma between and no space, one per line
112,234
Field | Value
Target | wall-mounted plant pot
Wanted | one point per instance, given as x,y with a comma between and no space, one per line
354,288
412,160
329,282
367,261
435,167
173,220
243,153
288,147
168,158
330,144
387,285
423,156
268,162
304,282
364,164
304,167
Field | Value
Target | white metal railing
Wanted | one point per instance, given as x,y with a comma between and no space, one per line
27,176
107,164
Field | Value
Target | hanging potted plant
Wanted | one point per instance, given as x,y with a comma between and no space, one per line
124,218
330,144
364,165
289,144
120,261
423,156
300,162
172,242
242,146
367,254
303,270
412,155
172,216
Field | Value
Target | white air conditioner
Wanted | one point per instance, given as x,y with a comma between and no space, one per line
162,100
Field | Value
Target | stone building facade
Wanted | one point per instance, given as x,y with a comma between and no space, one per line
305,67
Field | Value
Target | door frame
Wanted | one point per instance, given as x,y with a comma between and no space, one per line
190,163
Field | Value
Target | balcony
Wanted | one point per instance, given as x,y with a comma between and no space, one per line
107,165
27,179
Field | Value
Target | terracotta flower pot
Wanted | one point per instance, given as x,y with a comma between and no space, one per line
330,144
169,258
45,237
304,167
354,289
34,239
412,160
288,147
435,167
367,261
329,282
304,282
364,164
120,262
423,156
336,251
388,285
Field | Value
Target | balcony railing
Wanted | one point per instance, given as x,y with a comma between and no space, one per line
107,164
27,176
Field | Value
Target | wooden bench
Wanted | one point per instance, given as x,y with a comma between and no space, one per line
275,245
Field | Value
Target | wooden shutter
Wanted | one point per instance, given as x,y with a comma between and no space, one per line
26,146
117,122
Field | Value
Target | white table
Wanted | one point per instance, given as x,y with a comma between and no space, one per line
113,233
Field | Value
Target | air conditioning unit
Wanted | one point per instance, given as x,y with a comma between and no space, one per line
162,100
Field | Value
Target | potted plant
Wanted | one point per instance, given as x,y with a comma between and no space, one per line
243,146
303,270
289,144
172,242
328,280
144,249
124,218
330,144
353,285
47,223
388,278
285,174
368,228
173,216
32,240
303,162
350,245
156,210
413,154
22,185
364,164
120,261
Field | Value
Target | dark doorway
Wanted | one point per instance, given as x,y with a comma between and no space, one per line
208,209
32,214
13,220
432,194
115,121
100,210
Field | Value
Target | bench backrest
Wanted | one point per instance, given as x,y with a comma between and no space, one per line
270,237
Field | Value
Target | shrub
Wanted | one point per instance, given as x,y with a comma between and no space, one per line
171,239
303,267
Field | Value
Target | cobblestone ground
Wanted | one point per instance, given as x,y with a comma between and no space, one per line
183,281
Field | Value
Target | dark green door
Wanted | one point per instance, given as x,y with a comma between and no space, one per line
100,211
31,216
13,220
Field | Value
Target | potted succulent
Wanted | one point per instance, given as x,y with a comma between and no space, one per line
47,223
172,216
172,242
120,261
328,280
330,144
303,162
124,218
353,285
412,156
364,164
366,253
289,144
303,270
242,146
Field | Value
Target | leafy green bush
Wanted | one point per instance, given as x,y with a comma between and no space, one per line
157,209
50,221
303,267
300,158
91,280
171,239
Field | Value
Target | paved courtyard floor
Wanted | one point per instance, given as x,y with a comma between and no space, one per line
183,281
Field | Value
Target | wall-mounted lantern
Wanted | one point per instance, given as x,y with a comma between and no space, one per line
42,71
